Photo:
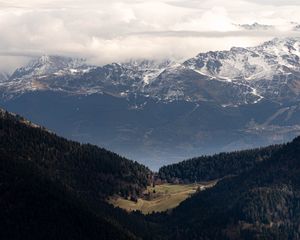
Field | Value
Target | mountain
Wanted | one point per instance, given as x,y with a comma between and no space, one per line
3,76
163,111
52,187
32,76
271,70
75,76
55,188
47,65
81,167
255,27
218,166
32,206
289,26
238,76
261,203
235,77
297,27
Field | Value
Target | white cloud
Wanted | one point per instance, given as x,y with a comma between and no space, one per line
118,30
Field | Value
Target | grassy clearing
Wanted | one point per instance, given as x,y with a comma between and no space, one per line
160,198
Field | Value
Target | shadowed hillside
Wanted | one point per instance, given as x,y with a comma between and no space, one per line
262,203
54,188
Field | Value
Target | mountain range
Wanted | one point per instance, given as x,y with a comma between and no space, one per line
268,71
55,188
288,26
162,111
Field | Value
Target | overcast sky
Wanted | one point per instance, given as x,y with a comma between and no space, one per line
111,30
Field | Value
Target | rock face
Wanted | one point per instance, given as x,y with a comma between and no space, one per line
271,69
235,77
166,110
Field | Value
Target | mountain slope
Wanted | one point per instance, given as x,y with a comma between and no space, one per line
79,176
158,133
3,76
217,166
161,111
34,207
54,188
81,167
47,65
271,69
246,75
262,203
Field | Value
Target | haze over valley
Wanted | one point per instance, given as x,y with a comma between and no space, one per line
150,120
160,112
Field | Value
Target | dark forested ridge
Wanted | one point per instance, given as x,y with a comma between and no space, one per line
52,188
216,166
34,207
56,188
262,203
82,167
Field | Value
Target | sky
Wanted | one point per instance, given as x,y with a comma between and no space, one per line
115,31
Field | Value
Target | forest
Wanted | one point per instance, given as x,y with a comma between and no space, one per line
217,166
52,188
262,203
45,178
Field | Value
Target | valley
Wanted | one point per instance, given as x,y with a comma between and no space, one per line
150,120
257,195
140,144
161,197
159,112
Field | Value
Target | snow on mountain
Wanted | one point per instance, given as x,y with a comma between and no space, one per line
297,27
264,61
47,65
75,76
290,26
148,70
35,75
238,76
271,69
4,76
255,26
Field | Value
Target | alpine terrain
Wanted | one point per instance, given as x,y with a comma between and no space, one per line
159,112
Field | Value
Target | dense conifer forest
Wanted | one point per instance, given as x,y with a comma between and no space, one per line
261,203
81,167
52,188
216,166
34,207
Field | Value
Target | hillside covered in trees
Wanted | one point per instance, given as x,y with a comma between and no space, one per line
52,188
34,207
84,168
261,203
217,166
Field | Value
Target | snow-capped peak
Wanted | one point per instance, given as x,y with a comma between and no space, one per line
148,70
46,65
255,26
250,63
236,76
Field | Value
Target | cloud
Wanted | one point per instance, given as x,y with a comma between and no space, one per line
277,2
105,31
